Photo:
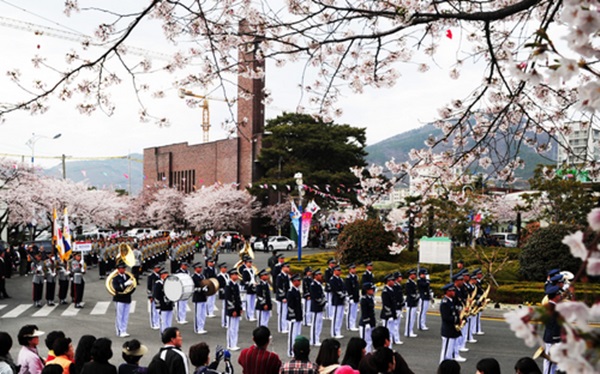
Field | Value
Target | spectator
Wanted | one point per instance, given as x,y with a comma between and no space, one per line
448,367
170,358
380,336
488,366
7,365
329,356
49,341
527,365
384,360
257,359
132,353
200,354
64,354
355,351
83,352
52,369
101,353
300,364
29,358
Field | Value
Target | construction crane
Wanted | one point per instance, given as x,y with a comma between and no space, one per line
205,111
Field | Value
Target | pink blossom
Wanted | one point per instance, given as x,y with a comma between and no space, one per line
593,266
593,218
575,244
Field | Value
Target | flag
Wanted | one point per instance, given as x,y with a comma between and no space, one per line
66,237
126,176
57,235
313,207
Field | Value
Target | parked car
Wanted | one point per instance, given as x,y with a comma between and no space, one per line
505,239
47,244
139,232
275,243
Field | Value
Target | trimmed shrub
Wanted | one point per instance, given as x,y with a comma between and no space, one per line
544,251
362,240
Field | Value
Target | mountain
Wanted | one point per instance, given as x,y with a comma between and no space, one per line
398,147
107,173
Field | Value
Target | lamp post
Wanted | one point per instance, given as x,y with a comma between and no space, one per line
413,210
31,144
300,184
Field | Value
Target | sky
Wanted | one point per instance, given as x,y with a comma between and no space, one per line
413,102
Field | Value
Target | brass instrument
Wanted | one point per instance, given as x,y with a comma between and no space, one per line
465,312
212,284
245,252
541,352
482,301
126,255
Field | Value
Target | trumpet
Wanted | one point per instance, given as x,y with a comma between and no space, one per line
126,255
541,352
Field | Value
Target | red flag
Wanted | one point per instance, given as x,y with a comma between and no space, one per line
449,34
126,176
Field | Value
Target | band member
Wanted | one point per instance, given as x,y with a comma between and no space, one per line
317,306
412,302
450,319
331,263
223,279
353,290
199,299
367,276
78,283
306,282
399,300
479,277
282,286
470,290
234,310
154,314
50,275
63,283
367,320
164,305
249,284
460,301
275,270
37,269
424,298
388,313
210,272
338,299
552,332
264,305
473,318
122,299
182,304
102,253
294,314
137,266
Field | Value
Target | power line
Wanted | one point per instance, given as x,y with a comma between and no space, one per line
75,158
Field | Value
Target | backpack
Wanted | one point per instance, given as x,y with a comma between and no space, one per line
158,365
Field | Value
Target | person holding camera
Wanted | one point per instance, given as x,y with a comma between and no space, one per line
199,357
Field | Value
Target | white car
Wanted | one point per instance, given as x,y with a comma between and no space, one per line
275,243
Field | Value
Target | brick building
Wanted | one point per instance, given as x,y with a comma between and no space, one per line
188,167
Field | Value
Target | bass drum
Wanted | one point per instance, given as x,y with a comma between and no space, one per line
179,287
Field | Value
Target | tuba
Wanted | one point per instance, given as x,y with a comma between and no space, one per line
126,255
245,252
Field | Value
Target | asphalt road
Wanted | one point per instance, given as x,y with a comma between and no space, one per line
97,318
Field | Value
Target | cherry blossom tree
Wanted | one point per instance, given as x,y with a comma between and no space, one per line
167,210
220,207
136,211
278,214
12,176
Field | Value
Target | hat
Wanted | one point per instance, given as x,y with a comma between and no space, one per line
263,272
121,265
307,269
34,334
285,264
301,344
466,274
553,272
184,264
247,258
397,275
477,271
352,266
449,287
134,348
223,265
210,259
389,277
461,271
553,289
346,369
233,271
295,277
163,271
317,272
368,286
457,277
422,271
369,263
557,278
412,271
337,267
157,265
331,261
197,265
280,255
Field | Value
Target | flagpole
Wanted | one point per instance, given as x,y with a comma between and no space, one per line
299,183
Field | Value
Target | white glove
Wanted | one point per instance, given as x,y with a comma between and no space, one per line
205,289
128,283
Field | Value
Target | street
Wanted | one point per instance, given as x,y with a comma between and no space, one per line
97,318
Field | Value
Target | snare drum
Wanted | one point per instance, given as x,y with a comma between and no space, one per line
179,286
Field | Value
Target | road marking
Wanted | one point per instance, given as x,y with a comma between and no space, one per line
132,307
45,311
17,311
2,306
71,311
100,308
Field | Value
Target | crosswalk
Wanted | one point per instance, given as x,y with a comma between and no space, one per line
99,308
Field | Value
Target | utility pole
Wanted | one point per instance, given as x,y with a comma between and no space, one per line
64,166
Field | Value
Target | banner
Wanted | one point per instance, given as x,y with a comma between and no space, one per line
66,237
